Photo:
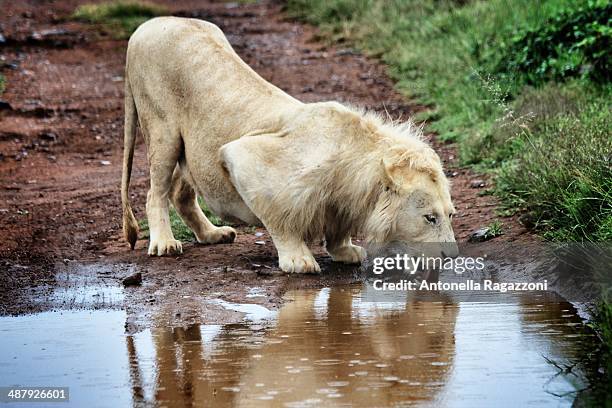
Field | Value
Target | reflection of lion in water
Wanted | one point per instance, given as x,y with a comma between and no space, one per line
304,171
323,343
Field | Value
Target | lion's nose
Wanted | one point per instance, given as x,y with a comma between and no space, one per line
450,250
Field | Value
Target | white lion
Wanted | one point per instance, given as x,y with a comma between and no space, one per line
215,128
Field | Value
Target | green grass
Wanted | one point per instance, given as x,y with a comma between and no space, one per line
495,229
120,17
179,229
2,84
561,173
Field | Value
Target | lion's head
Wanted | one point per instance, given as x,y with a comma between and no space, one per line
414,205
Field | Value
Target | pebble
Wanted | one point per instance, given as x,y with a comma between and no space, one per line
133,280
480,235
51,136
477,183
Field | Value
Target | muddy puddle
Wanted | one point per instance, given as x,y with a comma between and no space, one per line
325,347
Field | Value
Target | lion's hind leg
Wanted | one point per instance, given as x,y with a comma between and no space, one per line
164,147
185,201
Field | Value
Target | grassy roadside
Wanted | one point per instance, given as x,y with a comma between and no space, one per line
522,87
119,17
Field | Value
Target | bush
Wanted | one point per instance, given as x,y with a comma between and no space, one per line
572,43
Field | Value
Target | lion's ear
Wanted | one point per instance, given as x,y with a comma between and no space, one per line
395,174
399,171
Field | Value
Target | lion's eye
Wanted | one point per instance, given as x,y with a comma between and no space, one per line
431,218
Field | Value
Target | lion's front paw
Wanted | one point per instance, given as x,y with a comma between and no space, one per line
350,254
220,235
165,247
298,263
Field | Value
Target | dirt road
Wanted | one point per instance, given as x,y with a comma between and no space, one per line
61,146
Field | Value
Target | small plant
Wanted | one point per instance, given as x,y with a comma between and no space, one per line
179,229
120,17
506,212
494,229
2,84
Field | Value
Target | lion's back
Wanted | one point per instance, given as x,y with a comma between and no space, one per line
175,36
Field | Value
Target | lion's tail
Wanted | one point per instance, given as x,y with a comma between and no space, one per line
130,225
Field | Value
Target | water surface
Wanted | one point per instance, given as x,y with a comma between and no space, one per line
324,347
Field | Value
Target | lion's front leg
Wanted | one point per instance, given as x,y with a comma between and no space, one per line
294,256
343,250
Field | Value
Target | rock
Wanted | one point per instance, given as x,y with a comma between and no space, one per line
4,105
105,162
348,51
21,155
50,136
133,280
259,234
480,235
2,39
477,183
451,174
9,65
42,34
260,242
